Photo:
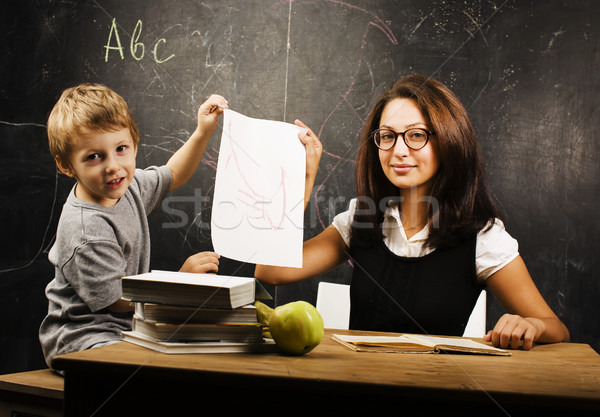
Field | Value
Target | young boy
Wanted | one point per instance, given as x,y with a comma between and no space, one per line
103,231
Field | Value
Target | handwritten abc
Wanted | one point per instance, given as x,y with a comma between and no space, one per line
136,48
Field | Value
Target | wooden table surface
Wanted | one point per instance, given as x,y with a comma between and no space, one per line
563,375
42,382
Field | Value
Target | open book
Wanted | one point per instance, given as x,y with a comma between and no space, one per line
416,343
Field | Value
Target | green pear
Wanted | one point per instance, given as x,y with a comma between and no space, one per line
296,327
263,312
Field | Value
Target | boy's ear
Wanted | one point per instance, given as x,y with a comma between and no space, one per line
64,168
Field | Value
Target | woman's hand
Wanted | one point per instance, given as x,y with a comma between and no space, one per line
512,328
201,263
314,149
532,320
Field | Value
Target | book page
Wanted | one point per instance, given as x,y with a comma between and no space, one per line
461,344
415,343
382,343
447,341
379,340
206,280
258,203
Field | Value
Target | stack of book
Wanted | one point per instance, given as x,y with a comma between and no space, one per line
192,313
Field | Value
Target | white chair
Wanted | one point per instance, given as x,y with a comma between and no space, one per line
333,303
476,324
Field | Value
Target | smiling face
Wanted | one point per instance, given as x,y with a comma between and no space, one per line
103,163
404,167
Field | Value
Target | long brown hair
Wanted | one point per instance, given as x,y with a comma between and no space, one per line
460,203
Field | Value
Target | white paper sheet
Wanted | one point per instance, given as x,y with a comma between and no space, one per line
258,203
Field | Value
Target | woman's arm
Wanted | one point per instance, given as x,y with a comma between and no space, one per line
530,318
319,255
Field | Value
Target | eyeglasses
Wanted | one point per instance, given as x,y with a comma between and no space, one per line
415,138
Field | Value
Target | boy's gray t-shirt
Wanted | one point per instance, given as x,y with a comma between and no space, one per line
96,246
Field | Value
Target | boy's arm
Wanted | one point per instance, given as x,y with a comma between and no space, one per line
185,161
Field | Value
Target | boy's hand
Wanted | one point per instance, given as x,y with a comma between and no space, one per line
201,263
209,112
185,161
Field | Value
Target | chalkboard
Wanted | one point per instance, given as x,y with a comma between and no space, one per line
526,70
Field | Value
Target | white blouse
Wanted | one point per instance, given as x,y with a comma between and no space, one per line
495,247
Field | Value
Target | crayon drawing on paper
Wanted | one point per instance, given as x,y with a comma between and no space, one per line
258,204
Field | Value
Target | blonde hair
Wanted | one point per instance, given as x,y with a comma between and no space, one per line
86,106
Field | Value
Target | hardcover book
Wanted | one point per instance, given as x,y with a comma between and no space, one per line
200,290
173,332
186,314
198,347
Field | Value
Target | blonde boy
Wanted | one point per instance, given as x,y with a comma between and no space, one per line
103,233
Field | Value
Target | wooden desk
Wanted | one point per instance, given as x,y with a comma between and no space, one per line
332,379
32,393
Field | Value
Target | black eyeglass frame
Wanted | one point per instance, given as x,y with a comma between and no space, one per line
427,133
